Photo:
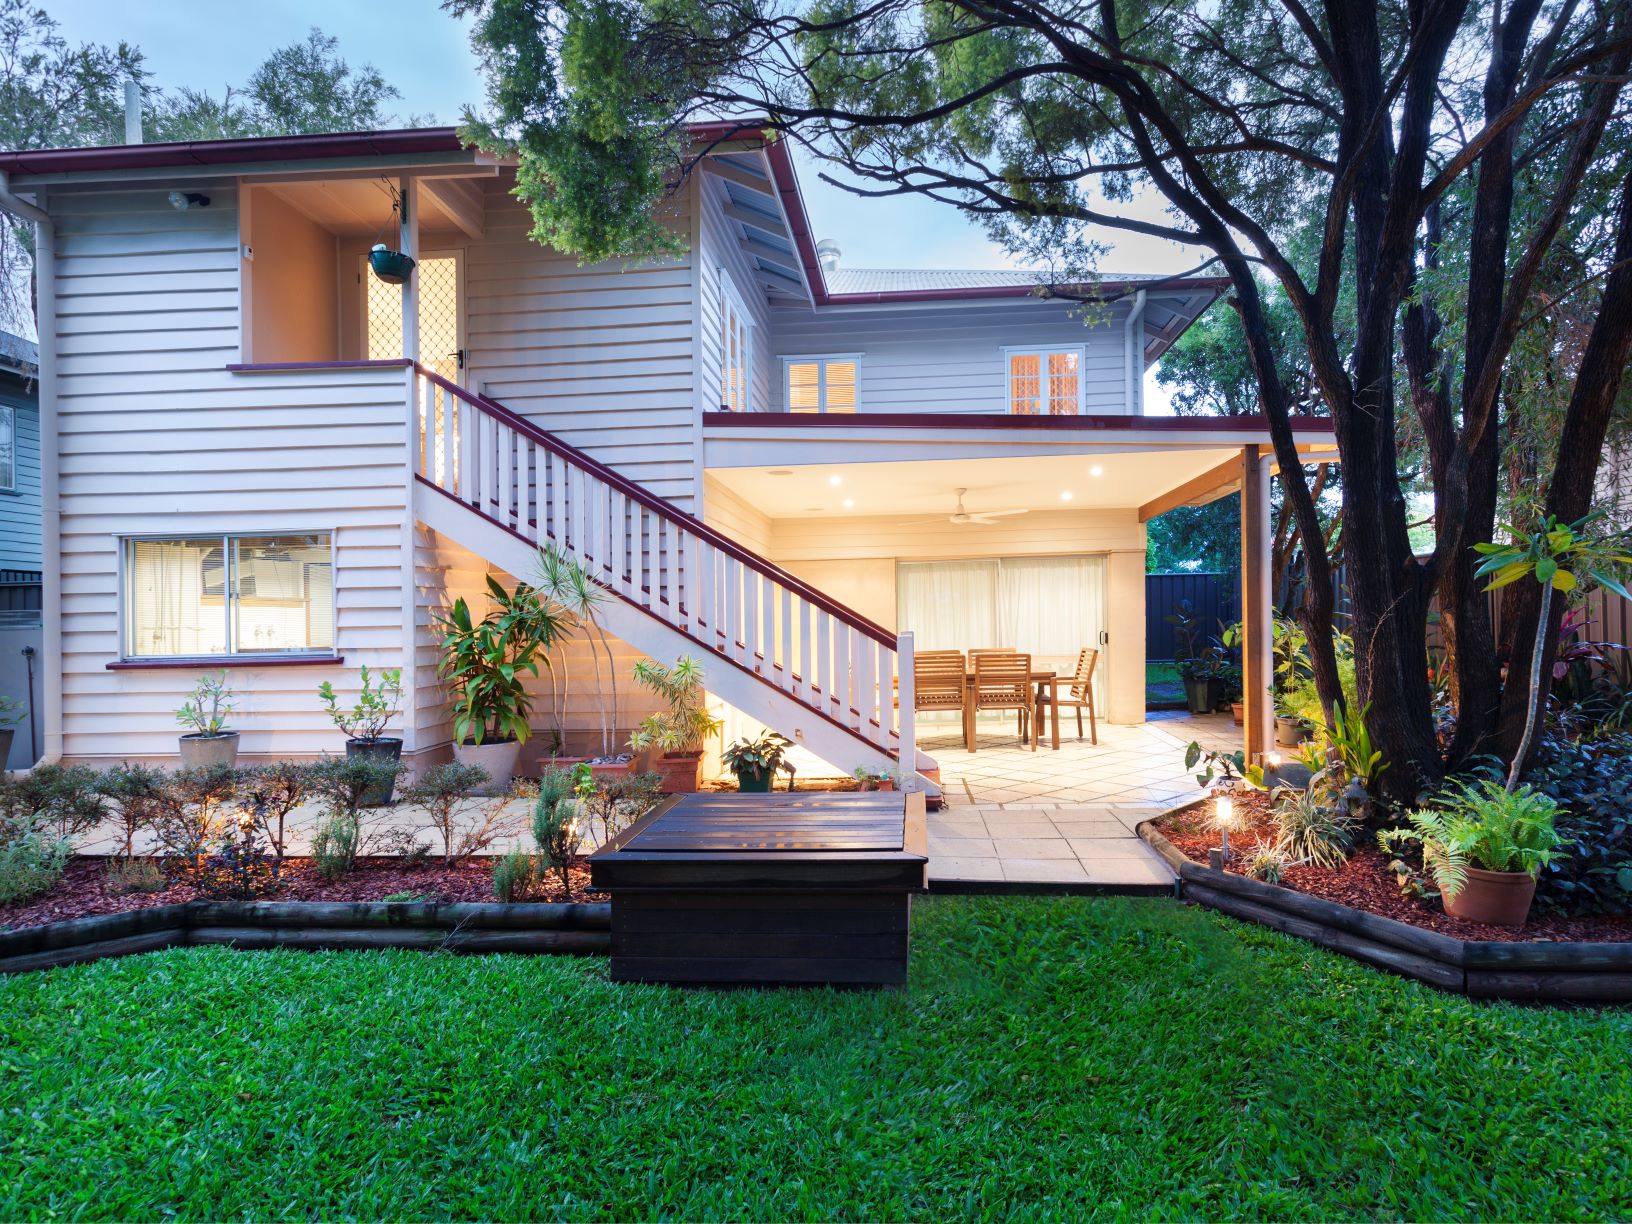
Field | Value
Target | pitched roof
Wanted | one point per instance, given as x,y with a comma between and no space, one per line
916,280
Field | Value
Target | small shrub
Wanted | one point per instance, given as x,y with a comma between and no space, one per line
404,846
240,869
408,897
1313,825
1267,862
192,813
268,793
346,786
334,844
1592,783
31,859
140,797
61,800
467,824
555,823
514,875
135,875
617,803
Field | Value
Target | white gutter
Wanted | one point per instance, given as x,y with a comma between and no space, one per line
45,291
1133,356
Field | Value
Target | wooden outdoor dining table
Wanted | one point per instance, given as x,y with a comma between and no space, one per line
1041,677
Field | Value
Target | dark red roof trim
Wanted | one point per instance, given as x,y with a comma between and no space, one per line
233,152
998,420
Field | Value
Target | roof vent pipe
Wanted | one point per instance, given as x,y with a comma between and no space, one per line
133,113
827,252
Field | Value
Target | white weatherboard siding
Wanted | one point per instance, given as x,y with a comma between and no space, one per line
157,437
20,509
949,358
600,356
720,256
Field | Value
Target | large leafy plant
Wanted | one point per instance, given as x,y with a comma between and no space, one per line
686,724
485,661
1562,557
1480,824
379,700
761,755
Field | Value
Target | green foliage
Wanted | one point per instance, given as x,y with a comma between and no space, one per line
1300,699
686,724
514,875
138,794
761,754
379,700
1268,862
336,840
577,599
1199,657
192,817
64,800
1592,783
617,802
1205,539
206,708
11,711
1352,740
269,793
466,823
32,860
135,875
1313,825
1479,824
486,661
1230,766
555,823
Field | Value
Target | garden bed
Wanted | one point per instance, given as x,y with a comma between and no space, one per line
86,889
1359,910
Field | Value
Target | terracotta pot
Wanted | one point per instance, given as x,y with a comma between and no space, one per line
209,751
681,772
386,748
498,757
884,784
605,771
1496,898
1238,711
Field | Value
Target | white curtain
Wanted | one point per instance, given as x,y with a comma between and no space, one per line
1047,607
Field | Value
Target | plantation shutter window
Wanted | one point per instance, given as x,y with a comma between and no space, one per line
8,447
1045,382
736,351
820,384
220,596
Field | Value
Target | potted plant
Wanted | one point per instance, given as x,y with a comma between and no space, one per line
485,661
1483,848
11,713
756,761
209,743
577,598
1202,661
873,779
678,732
392,267
379,701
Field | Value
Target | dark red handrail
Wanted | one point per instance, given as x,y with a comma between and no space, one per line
665,509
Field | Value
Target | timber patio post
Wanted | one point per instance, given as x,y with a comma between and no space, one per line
1257,626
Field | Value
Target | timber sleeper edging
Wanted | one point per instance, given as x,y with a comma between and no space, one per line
1481,969
573,928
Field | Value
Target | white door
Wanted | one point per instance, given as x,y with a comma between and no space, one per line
441,279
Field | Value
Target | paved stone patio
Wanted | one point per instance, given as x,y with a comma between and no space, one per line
1063,818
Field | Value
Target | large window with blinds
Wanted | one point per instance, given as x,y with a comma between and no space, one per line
820,384
226,595
1045,382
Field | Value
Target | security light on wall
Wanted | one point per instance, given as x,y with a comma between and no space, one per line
183,200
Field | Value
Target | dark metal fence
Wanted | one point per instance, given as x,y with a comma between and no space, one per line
20,597
1215,600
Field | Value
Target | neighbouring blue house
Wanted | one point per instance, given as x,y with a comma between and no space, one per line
19,533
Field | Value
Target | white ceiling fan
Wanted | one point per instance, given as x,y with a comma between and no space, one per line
961,517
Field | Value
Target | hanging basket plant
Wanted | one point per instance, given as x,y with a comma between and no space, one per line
390,266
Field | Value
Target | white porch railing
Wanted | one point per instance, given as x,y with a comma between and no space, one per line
736,605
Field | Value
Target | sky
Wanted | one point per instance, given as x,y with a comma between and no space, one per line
426,55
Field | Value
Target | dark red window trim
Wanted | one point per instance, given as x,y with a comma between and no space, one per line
209,662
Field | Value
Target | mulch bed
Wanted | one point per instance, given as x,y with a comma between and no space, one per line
85,889
814,785
1366,883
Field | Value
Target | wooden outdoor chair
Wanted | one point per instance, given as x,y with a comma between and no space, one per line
1002,682
938,683
1079,693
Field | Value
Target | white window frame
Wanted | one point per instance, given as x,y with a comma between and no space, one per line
8,484
1042,353
733,310
821,361
126,602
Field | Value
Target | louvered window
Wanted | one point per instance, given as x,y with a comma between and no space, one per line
820,384
1045,382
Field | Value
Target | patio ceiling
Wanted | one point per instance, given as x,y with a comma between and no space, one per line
1101,481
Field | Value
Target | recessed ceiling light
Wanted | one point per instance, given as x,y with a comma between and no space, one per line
835,481
1065,495
849,503
1096,470
780,472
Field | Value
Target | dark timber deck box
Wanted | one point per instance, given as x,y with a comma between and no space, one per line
775,889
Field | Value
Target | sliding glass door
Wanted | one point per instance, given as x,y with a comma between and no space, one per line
1048,607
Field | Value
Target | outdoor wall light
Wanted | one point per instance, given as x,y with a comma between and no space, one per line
183,200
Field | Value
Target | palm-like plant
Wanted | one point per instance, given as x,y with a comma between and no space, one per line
565,583
684,726
1561,557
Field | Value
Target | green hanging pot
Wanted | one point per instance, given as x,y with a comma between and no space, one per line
392,267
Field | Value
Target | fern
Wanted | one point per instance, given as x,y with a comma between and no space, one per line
1481,825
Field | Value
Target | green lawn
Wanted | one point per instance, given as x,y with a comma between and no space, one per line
1053,1057
1162,682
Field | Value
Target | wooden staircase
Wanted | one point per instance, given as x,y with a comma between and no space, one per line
771,646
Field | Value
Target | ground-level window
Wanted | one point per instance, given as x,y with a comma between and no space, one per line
226,595
820,384
736,351
1045,382
1047,607
8,448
